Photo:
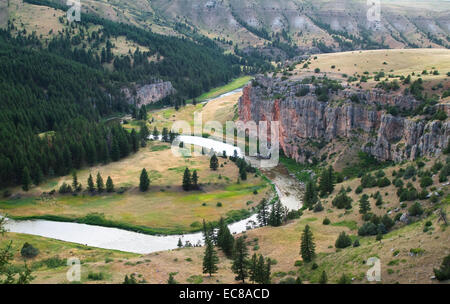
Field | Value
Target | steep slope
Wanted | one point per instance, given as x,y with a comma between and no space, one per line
317,112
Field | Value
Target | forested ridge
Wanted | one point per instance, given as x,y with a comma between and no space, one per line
43,92
192,65
55,92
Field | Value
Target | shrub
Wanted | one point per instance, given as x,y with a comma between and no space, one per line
368,228
409,172
318,207
343,241
298,263
368,181
380,174
65,188
344,279
28,251
54,262
426,181
294,214
356,243
314,266
326,221
359,190
342,201
398,183
288,280
96,276
384,182
443,273
387,222
416,209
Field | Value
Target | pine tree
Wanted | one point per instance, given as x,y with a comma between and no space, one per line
90,183
310,197
144,181
307,247
115,150
276,215
187,183
243,174
143,134
326,185
323,278
266,272
225,239
195,180
210,260
364,204
165,135
214,162
253,268
171,279
180,244
263,213
134,141
100,184
240,263
74,180
26,179
155,134
109,185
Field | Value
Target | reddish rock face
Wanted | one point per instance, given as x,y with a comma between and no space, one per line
305,118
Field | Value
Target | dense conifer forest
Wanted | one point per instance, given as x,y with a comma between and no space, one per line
56,94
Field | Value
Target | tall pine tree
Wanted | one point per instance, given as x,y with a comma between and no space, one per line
100,184
240,262
307,247
187,183
210,259
26,179
214,162
90,183
144,181
109,185
310,197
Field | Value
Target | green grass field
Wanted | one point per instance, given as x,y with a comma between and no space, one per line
233,85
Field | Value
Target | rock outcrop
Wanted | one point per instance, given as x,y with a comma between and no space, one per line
304,119
149,93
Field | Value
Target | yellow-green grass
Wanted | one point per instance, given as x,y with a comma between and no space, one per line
233,85
398,62
165,207
44,21
50,248
221,110
283,245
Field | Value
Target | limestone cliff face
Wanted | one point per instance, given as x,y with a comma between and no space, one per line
304,119
149,93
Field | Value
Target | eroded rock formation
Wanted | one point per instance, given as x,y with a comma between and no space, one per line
304,119
149,93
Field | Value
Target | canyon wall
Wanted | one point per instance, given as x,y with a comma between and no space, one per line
149,93
305,119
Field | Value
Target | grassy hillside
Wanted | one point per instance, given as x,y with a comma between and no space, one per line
395,64
165,208
408,253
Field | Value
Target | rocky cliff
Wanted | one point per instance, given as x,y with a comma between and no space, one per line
149,93
305,119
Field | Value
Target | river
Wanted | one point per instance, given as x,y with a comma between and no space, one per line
287,187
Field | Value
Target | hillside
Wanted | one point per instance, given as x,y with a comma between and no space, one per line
384,106
281,29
